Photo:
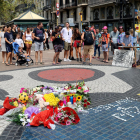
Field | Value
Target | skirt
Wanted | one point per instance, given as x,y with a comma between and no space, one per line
3,47
75,43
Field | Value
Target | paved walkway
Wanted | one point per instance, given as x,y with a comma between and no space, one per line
113,115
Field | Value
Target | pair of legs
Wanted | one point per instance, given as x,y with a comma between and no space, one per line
55,58
28,48
105,56
66,54
48,47
9,55
4,54
78,52
36,56
95,48
71,51
67,47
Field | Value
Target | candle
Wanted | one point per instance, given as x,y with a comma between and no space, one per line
74,99
68,99
64,101
71,99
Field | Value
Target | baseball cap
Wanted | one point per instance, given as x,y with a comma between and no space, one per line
104,28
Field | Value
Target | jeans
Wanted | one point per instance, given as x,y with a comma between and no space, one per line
95,48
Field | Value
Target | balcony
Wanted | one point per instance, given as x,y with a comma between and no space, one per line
47,7
100,2
83,2
68,5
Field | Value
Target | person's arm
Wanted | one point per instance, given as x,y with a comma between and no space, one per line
7,41
0,40
45,36
35,36
82,37
24,36
92,35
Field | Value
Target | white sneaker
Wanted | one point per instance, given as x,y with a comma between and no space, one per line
65,59
69,60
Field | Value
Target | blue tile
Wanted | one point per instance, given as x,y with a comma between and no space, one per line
62,136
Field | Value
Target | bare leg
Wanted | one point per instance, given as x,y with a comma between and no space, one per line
3,54
41,56
79,50
76,51
71,51
90,58
9,54
30,50
57,56
11,58
54,58
67,54
36,56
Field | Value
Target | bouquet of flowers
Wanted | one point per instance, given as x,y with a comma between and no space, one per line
67,116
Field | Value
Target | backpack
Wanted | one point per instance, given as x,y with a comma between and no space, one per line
88,38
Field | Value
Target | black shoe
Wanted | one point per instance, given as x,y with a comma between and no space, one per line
80,59
72,58
13,58
90,64
59,60
77,59
69,58
84,63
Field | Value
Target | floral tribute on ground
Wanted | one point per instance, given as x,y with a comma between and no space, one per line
47,106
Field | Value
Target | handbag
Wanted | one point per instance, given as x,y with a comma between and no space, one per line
78,44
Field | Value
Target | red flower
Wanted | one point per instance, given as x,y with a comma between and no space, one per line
88,103
10,100
79,88
85,100
75,121
63,122
65,119
68,113
69,86
85,105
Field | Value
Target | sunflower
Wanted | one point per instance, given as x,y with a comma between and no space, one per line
72,94
78,98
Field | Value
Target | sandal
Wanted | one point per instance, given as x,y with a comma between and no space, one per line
42,63
58,63
2,62
7,64
12,63
105,62
36,63
53,64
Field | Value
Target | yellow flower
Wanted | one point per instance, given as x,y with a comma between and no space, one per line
72,94
24,108
78,98
16,104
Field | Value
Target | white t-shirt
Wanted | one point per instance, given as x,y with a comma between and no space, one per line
19,42
46,35
67,35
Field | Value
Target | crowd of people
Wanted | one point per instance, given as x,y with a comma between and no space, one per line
65,39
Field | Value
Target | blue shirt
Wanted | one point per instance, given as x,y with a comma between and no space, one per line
97,36
9,37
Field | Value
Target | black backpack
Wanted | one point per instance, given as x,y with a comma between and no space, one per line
88,38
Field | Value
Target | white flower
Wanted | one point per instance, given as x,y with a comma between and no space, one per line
20,115
37,88
28,120
34,89
26,116
66,87
23,123
22,119
85,87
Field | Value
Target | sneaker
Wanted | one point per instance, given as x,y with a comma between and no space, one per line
77,59
72,58
69,57
94,57
90,64
59,60
80,59
68,60
13,58
84,63
98,57
65,59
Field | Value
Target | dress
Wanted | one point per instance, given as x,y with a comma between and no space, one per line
3,46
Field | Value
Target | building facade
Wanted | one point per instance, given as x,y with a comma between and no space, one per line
94,12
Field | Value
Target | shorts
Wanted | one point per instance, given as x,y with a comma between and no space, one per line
29,42
38,46
58,48
9,48
88,49
104,48
114,46
67,46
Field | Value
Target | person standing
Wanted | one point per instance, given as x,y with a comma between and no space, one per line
93,30
77,43
9,48
38,35
88,39
104,44
57,42
120,36
113,39
67,38
2,43
27,37
19,32
97,44
47,41
14,32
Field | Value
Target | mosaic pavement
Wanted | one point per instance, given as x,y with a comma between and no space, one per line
113,114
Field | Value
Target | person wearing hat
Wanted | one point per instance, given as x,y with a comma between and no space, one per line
104,44
120,36
58,46
127,40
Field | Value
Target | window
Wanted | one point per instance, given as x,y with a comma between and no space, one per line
47,15
67,2
61,17
67,13
61,2
84,14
